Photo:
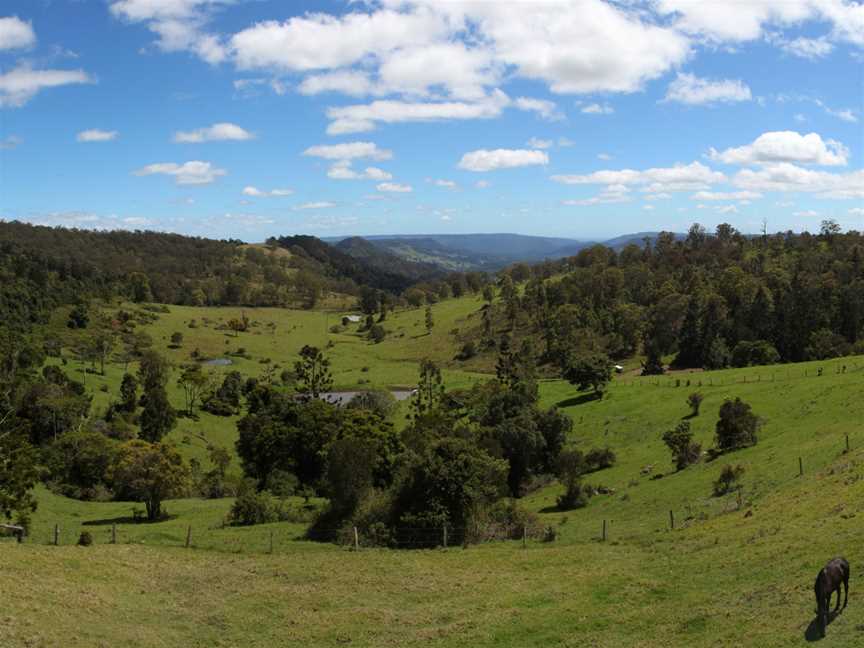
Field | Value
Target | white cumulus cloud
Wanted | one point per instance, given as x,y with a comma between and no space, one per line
223,131
808,48
393,187
785,146
188,173
342,170
97,135
693,176
273,193
16,34
321,204
598,109
180,25
548,110
787,177
353,83
19,85
349,151
490,160
691,90
736,22
727,195
361,118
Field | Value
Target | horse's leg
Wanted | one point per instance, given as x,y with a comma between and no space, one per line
823,613
846,588
837,607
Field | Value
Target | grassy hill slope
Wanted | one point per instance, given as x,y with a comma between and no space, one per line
723,576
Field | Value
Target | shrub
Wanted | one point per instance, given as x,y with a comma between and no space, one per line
218,407
575,495
680,442
379,401
694,401
728,480
509,515
599,458
377,333
85,539
253,507
468,351
737,426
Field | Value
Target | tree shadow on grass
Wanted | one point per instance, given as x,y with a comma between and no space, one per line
127,519
578,400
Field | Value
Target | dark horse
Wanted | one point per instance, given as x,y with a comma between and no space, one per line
832,575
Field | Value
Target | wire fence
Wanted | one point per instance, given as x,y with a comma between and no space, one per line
764,374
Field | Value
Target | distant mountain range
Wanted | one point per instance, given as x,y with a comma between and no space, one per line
461,252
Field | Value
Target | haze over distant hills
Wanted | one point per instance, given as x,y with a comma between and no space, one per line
459,252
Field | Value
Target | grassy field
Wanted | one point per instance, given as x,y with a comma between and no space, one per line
724,576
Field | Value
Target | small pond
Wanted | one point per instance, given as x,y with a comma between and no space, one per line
341,398
219,362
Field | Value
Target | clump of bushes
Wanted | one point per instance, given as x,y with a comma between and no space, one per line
378,401
262,507
599,459
377,333
571,466
685,451
728,480
737,426
694,402
575,495
759,352
468,351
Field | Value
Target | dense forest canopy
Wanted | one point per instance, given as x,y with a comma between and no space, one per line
42,267
706,300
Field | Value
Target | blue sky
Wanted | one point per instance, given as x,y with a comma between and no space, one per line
577,118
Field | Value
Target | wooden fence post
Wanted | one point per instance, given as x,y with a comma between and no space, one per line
524,536
604,531
847,442
356,540
56,535
800,467
445,536
271,541
672,520
113,534
740,496
188,536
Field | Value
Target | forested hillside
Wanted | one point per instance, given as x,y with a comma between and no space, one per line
709,300
42,267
